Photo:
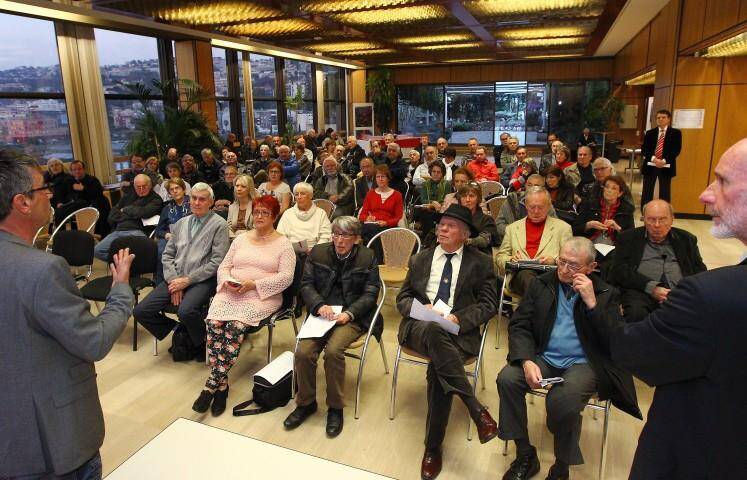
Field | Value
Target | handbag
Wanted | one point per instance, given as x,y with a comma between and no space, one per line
272,387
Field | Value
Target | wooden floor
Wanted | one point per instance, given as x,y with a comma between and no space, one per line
141,394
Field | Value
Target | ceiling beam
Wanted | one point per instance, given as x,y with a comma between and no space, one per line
469,21
611,10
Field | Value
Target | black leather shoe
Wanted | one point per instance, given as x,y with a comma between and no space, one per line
523,467
558,473
431,465
334,422
299,415
203,402
219,402
199,353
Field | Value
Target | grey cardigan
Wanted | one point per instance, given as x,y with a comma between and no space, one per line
51,419
198,256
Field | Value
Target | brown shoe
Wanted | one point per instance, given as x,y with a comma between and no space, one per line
431,466
487,429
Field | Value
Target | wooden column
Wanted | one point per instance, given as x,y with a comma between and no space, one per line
194,61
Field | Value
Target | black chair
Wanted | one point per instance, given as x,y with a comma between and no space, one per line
76,247
286,310
146,256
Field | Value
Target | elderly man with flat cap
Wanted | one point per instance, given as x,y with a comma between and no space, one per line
455,274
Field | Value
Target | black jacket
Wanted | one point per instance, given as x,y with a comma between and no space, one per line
672,148
344,193
531,325
624,269
129,212
475,295
351,162
359,283
398,169
693,349
591,209
488,232
361,189
58,186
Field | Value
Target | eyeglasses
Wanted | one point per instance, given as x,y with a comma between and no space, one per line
574,267
46,186
274,171
599,169
656,221
262,213
343,236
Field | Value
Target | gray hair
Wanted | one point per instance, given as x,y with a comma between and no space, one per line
531,191
56,161
536,176
203,187
15,178
585,147
303,187
581,245
602,162
144,177
284,148
206,152
347,224
393,145
415,151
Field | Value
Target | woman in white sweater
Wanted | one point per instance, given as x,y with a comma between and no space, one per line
305,224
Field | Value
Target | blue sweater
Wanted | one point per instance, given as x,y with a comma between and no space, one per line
564,348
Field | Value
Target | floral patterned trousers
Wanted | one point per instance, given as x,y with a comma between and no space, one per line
223,345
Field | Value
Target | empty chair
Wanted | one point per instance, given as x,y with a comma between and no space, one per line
76,247
398,245
326,205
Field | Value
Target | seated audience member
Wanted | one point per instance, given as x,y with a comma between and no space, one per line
276,187
450,163
249,150
603,220
561,192
508,170
581,173
240,211
462,176
585,139
470,196
561,329
309,150
126,218
335,187
290,166
434,275
152,170
548,157
421,175
211,169
424,141
472,145
432,194
190,174
137,166
376,154
194,250
172,156
365,182
519,177
173,172
509,153
412,166
352,157
514,208
82,190
172,211
260,165
257,269
481,168
231,160
397,169
537,237
498,149
305,222
232,143
339,152
341,273
304,164
563,157
602,169
383,206
650,261
441,146
223,191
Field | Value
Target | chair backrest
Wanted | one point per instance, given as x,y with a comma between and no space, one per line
326,205
290,293
75,246
397,245
494,206
490,187
43,228
86,218
145,250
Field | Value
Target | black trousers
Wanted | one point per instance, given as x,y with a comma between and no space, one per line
636,305
564,403
520,281
191,310
445,376
649,182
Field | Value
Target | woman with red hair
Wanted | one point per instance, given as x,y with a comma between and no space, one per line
251,279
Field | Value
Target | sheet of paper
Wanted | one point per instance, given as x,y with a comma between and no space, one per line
604,249
152,221
666,165
277,368
551,380
315,327
418,311
442,307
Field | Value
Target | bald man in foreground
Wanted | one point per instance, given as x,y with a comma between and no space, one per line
694,351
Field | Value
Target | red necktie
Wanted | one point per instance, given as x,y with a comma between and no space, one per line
660,145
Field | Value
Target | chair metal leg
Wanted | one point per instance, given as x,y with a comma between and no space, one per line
134,334
383,357
505,448
155,347
360,380
603,454
295,326
594,410
474,376
394,383
482,376
269,342
498,321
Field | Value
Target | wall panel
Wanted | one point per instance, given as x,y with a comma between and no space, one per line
699,71
735,70
596,69
730,124
495,72
720,15
691,27
562,71
528,71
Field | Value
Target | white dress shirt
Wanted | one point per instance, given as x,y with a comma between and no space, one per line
437,270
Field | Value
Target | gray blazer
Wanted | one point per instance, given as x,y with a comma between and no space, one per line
51,419
198,256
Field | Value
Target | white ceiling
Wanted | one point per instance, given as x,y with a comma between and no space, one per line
634,16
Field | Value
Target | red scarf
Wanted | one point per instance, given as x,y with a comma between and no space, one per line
608,212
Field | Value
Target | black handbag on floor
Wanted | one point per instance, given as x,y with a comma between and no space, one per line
267,395
182,349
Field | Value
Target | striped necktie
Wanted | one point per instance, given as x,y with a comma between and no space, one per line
660,144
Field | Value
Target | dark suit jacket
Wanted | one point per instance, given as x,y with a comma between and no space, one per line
624,270
361,189
672,147
475,296
530,328
694,351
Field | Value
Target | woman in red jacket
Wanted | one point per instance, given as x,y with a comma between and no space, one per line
382,207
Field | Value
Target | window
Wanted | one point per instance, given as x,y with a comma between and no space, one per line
510,110
420,110
565,110
264,94
126,60
334,98
470,111
299,79
536,118
33,114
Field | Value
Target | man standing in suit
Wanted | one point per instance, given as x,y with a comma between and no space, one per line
694,350
661,147
456,275
51,424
